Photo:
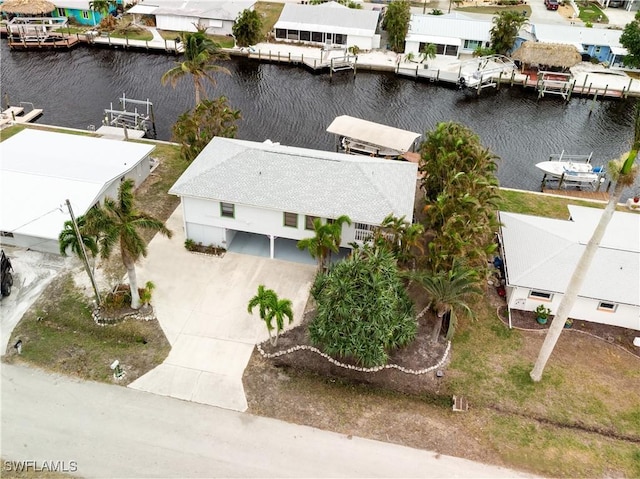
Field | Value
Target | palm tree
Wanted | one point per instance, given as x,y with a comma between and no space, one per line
428,52
327,239
68,239
506,26
200,55
450,293
119,221
102,7
271,307
624,174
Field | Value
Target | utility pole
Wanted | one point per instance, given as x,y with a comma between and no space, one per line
85,260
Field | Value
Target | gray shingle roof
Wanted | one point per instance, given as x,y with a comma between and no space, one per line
300,180
542,253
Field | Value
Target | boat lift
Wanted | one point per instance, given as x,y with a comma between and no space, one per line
480,72
134,120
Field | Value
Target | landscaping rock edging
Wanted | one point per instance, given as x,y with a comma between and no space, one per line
138,315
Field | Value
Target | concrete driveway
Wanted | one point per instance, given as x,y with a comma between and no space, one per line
201,304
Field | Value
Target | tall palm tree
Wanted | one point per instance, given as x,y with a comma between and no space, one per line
102,7
326,239
67,239
450,293
624,174
271,307
118,221
428,52
506,26
200,55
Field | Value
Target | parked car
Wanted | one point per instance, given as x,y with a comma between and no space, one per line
551,4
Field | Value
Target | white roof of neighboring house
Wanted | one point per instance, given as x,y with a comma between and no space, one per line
373,133
210,9
542,253
572,35
300,180
73,4
447,27
330,16
39,170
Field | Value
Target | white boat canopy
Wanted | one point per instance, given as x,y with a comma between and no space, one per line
373,133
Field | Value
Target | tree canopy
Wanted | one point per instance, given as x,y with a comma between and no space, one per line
396,23
363,310
196,128
248,28
461,191
505,28
630,39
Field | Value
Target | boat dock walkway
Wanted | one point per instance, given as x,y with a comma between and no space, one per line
17,114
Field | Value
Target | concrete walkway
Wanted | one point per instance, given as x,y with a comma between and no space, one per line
201,304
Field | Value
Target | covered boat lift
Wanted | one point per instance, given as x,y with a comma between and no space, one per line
362,137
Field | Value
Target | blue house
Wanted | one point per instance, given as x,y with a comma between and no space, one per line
80,11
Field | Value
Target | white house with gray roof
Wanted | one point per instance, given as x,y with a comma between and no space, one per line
328,24
217,17
277,191
540,255
451,34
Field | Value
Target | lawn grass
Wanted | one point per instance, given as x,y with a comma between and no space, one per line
591,13
144,35
269,12
515,201
59,334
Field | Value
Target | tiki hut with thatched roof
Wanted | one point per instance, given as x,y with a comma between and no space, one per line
27,7
547,54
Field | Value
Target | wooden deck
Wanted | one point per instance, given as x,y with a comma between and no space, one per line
51,42
16,114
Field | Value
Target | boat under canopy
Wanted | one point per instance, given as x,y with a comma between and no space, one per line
372,138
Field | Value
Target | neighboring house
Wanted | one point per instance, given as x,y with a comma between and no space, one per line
452,35
277,191
328,24
39,170
540,255
186,15
78,10
599,43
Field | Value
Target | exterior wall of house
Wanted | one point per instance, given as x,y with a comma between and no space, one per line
327,36
205,224
451,50
586,309
46,245
601,52
137,174
177,23
83,17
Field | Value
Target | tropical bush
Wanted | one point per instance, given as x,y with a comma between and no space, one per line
363,310
248,28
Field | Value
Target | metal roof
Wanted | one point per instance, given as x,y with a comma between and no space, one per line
572,35
448,27
373,133
41,169
328,17
542,253
300,180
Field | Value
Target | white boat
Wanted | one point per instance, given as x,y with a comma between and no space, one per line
571,170
355,147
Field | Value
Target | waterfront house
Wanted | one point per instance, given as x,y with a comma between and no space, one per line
272,193
42,169
328,24
601,44
451,34
79,11
540,255
217,17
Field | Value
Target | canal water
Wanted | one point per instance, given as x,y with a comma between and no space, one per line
290,105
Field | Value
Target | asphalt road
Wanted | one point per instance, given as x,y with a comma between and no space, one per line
110,431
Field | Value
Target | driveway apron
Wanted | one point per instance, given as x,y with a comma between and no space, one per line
201,305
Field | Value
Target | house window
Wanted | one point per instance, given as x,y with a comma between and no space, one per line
6,234
340,39
316,37
604,306
540,295
291,219
61,12
85,14
292,34
329,37
472,44
305,36
364,226
451,50
597,50
308,222
281,33
439,49
228,210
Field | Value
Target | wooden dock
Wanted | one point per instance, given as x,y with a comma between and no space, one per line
66,41
17,114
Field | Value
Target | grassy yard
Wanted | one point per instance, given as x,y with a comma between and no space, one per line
540,205
269,12
591,13
494,9
144,35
